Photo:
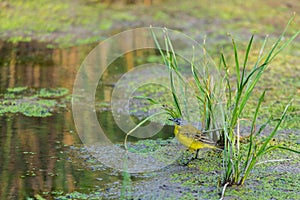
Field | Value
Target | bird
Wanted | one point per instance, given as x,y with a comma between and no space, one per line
191,137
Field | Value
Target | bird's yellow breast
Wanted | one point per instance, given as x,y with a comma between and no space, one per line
184,137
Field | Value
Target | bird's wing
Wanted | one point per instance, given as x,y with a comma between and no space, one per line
204,139
192,132
188,131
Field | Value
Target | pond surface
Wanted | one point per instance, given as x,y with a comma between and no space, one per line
38,155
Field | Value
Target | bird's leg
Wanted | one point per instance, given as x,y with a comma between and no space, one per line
196,156
192,158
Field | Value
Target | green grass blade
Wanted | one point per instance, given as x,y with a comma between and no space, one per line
270,57
248,79
158,46
140,124
251,143
246,59
175,98
273,147
260,55
262,127
197,80
169,110
237,65
284,45
289,149
227,80
268,139
248,170
171,48
251,86
256,113
151,100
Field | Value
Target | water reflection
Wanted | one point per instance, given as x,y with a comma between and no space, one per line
34,158
34,152
34,65
32,155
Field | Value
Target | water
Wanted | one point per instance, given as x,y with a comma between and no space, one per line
37,154
32,150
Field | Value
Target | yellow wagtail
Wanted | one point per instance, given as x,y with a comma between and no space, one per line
191,137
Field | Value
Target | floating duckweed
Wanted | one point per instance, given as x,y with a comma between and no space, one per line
17,89
32,106
148,145
9,96
39,108
53,92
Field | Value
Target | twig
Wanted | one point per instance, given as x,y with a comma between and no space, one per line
279,160
213,130
223,191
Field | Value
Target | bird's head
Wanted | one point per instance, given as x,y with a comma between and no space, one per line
177,121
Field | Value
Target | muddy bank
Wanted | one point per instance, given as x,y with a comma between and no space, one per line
199,179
